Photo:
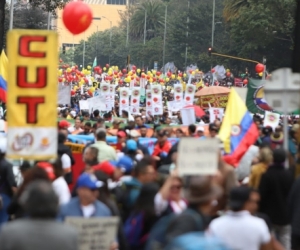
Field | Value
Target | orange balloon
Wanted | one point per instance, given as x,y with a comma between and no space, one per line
77,17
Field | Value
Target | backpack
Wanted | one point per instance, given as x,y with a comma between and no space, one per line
157,236
121,195
196,241
133,229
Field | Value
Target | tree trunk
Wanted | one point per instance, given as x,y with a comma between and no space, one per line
2,24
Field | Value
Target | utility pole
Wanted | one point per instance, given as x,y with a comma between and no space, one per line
187,34
11,20
165,36
213,24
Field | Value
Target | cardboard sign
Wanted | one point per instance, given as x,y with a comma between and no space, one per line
64,94
96,102
75,148
32,94
95,233
198,157
217,101
84,105
188,116
135,101
271,120
215,113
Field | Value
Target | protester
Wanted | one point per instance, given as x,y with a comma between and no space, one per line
39,230
274,189
105,152
162,147
238,229
76,129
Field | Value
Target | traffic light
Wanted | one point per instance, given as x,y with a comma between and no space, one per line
64,49
209,51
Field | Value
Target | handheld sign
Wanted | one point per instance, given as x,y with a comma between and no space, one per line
32,94
95,233
198,157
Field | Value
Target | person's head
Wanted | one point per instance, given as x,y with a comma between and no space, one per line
200,131
90,156
87,188
25,166
116,124
243,198
145,171
58,168
125,165
124,114
121,135
101,134
96,113
213,130
143,131
77,123
139,121
168,121
175,189
265,155
61,138
63,124
131,146
202,193
39,200
100,123
192,129
179,133
134,135
267,131
87,127
279,156
162,136
86,116
145,200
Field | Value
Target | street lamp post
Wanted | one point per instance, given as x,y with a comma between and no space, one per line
165,35
213,24
145,27
187,34
11,20
110,36
83,54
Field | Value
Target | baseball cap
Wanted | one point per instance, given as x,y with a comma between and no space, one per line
125,164
89,181
121,134
73,113
131,145
48,169
63,124
134,133
106,167
200,129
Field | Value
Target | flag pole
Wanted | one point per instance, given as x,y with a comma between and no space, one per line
11,19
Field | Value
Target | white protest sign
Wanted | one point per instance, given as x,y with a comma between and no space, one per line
198,157
64,94
173,106
215,113
97,102
188,116
84,105
95,233
271,120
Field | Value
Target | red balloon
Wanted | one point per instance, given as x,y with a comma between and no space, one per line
213,70
73,92
107,65
133,67
259,68
121,81
60,60
120,74
180,74
60,79
137,79
132,78
158,73
169,74
228,74
90,92
245,81
133,71
77,17
86,80
154,79
148,77
143,75
124,71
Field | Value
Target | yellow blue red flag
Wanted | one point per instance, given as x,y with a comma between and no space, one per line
3,76
238,131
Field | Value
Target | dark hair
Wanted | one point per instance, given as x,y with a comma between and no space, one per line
124,112
238,196
88,124
138,116
94,150
141,166
61,137
145,201
31,175
143,126
58,168
96,112
100,120
86,114
101,134
25,166
94,126
192,128
39,200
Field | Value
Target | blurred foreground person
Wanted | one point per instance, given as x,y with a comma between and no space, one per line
238,229
39,230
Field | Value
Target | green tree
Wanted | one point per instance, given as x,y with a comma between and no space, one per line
233,8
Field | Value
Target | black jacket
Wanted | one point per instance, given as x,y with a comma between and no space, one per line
294,207
274,189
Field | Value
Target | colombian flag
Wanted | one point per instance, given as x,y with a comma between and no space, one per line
3,76
238,131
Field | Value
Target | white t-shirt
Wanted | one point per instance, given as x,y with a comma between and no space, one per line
61,189
88,210
66,161
240,230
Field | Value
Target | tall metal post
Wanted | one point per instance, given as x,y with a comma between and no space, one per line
165,36
145,27
213,24
11,19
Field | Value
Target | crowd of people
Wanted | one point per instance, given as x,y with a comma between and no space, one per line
253,206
